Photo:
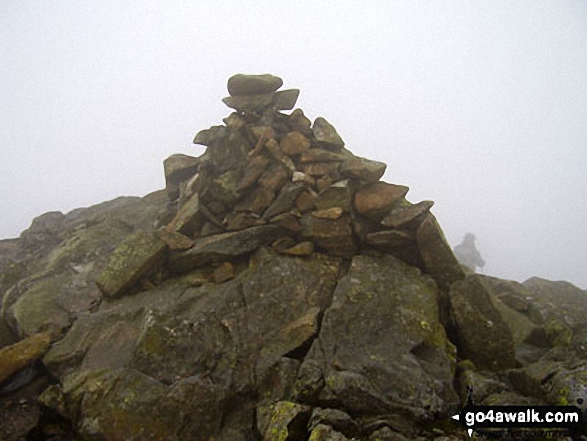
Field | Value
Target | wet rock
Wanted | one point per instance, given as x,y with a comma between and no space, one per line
135,258
403,215
241,84
326,134
297,121
328,213
294,143
305,248
285,200
210,136
334,236
224,272
174,241
306,201
335,419
285,99
288,421
361,168
326,433
437,256
381,346
224,246
376,199
15,357
248,103
189,218
257,201
483,336
253,170
388,238
339,194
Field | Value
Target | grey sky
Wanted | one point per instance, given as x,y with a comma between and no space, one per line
479,106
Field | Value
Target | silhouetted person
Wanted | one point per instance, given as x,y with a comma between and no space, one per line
467,254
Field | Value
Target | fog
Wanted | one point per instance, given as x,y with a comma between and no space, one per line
478,106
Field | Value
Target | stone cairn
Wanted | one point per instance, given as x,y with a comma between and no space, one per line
273,179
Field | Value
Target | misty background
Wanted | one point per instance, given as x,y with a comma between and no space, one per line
478,106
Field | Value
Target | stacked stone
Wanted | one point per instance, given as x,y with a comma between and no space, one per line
273,179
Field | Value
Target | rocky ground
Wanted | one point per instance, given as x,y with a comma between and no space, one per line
275,290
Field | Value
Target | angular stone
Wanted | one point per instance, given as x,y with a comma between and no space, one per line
332,213
302,177
484,337
210,228
224,272
323,432
254,168
225,188
336,419
223,247
209,136
229,151
334,236
133,259
234,121
306,201
189,218
339,194
326,134
288,221
319,155
305,248
298,121
382,348
241,84
374,200
239,220
179,167
388,238
251,103
287,422
294,143
263,132
361,168
257,201
320,168
437,256
285,99
175,241
400,216
274,177
15,357
285,200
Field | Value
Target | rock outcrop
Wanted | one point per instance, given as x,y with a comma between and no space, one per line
277,289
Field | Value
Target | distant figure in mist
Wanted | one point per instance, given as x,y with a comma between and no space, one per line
467,254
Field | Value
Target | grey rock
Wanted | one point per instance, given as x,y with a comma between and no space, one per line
224,246
241,84
484,337
326,134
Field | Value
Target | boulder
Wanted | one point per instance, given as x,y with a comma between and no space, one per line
285,99
335,236
382,348
132,260
437,256
484,337
339,195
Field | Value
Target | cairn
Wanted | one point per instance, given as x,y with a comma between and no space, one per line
268,178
